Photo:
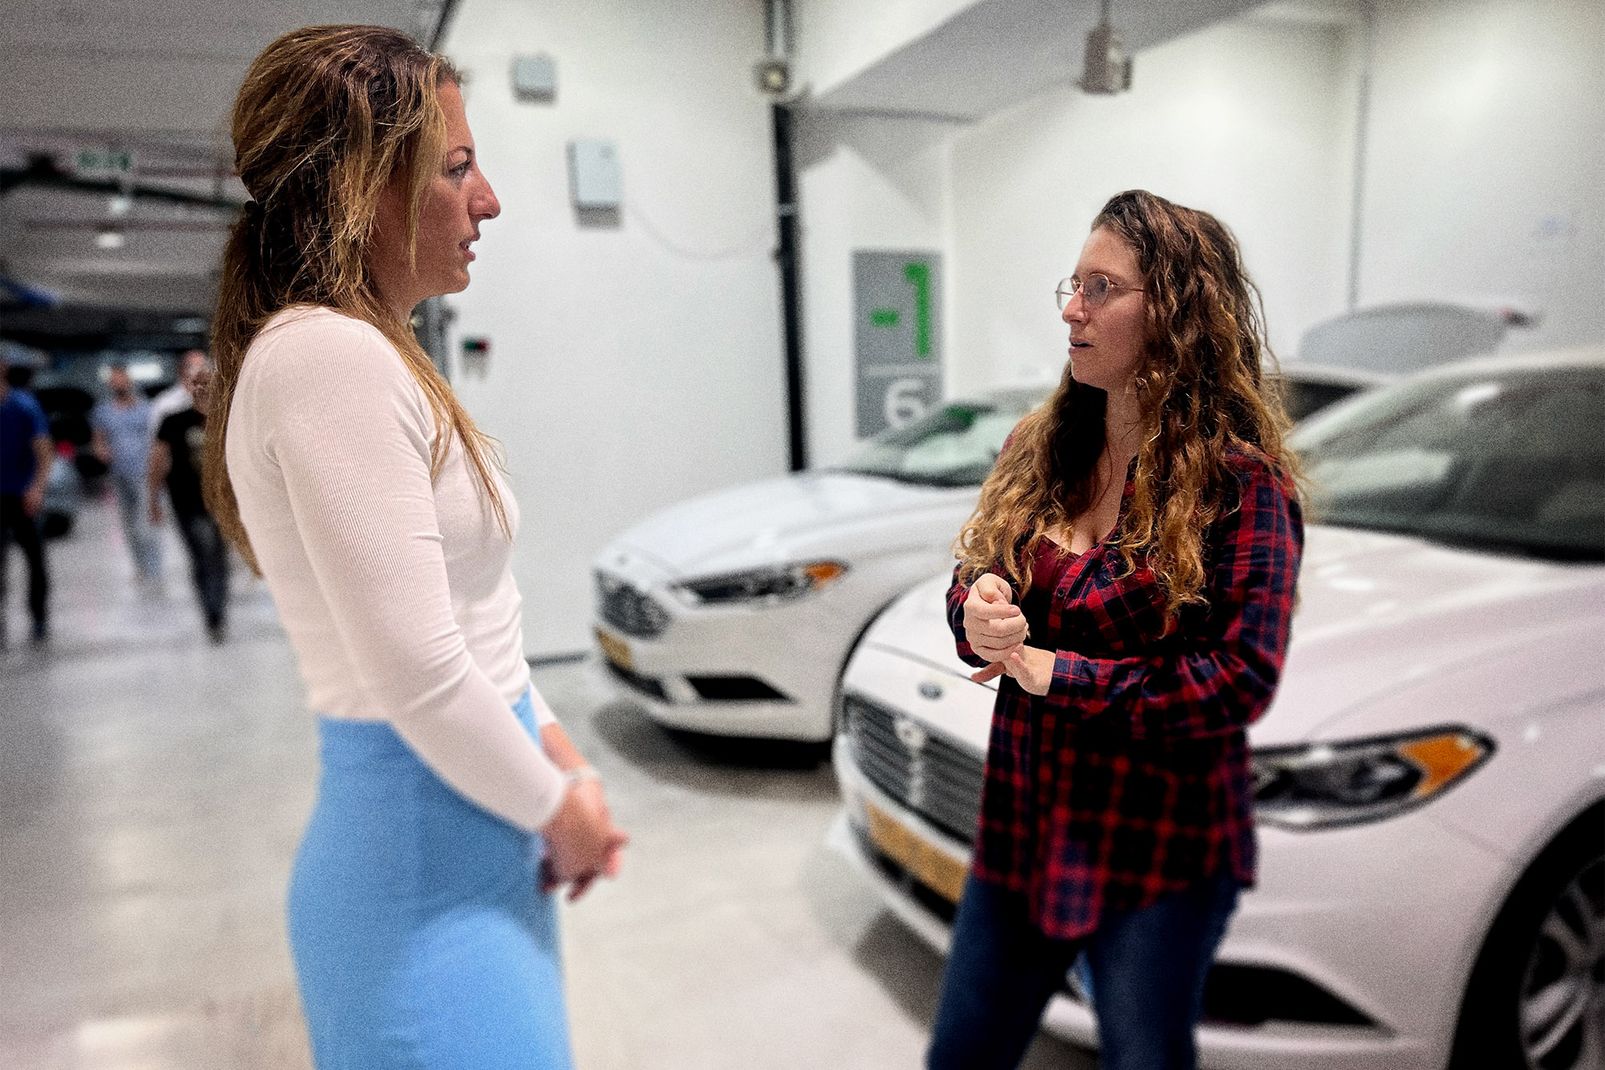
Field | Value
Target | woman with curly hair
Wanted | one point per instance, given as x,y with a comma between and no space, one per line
1128,577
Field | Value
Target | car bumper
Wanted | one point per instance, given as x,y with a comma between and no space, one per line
1385,919
763,671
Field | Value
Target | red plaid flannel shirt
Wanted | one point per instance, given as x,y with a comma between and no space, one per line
1130,778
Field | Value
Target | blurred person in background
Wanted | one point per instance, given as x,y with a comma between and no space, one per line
122,439
25,459
338,460
1129,574
179,396
176,461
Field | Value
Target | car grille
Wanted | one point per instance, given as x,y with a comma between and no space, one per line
627,609
924,771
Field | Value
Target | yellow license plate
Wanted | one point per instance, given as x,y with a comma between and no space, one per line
616,650
929,865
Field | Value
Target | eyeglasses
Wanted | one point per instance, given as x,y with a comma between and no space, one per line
1095,289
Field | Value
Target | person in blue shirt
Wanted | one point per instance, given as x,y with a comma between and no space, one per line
25,459
122,442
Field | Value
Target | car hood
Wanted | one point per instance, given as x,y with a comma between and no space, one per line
770,522
1381,613
1377,614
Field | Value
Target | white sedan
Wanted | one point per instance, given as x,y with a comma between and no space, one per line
733,613
1430,781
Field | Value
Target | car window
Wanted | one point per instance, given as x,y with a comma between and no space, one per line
954,446
1304,397
1509,462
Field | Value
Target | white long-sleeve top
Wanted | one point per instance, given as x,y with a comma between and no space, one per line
396,590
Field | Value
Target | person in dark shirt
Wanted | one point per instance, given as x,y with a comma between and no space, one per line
25,460
1128,578
175,460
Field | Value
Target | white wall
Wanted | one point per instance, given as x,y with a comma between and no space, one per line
635,365
862,184
1486,160
1251,120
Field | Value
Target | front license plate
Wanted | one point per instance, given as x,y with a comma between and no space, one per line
929,865
615,650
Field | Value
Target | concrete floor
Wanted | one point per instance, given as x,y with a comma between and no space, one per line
153,788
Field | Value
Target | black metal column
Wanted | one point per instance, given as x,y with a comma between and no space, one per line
786,256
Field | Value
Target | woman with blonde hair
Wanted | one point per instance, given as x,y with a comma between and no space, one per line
1128,577
450,803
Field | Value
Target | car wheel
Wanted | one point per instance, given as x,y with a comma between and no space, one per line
1537,996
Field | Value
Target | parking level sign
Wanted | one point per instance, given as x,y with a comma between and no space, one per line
897,335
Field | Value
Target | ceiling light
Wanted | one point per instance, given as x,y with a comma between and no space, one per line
110,238
119,205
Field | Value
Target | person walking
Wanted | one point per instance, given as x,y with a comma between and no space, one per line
25,459
1128,578
451,804
180,395
176,461
121,440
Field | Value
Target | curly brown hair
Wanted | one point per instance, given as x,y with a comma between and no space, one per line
327,118
1203,397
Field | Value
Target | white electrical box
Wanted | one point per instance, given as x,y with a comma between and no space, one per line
593,173
535,78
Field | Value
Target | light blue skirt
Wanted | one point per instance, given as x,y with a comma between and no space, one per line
421,938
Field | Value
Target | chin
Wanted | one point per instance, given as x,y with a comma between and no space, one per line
1086,376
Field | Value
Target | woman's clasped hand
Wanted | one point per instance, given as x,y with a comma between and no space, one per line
997,631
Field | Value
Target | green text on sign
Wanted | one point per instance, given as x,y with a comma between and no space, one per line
884,317
919,273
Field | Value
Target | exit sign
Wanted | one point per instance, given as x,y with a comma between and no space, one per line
103,163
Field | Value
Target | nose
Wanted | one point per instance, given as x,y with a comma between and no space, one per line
1075,309
485,204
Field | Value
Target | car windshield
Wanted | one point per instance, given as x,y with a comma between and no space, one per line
952,446
1511,462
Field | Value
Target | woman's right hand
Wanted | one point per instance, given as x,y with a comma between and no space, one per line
582,842
993,624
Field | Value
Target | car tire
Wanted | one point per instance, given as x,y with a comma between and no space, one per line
1543,961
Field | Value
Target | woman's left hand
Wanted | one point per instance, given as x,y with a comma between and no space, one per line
1031,667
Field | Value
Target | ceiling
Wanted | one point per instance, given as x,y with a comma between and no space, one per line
154,79
996,53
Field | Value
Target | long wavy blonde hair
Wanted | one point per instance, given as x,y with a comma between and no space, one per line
1202,397
327,119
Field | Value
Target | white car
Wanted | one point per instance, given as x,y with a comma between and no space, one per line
1430,781
733,613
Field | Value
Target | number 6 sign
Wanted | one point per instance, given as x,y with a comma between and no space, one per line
897,331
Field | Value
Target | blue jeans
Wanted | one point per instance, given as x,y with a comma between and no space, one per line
144,543
1148,969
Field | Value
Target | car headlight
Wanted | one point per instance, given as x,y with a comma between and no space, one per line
1322,785
762,584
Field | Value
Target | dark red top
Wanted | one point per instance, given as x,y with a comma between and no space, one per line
1130,778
